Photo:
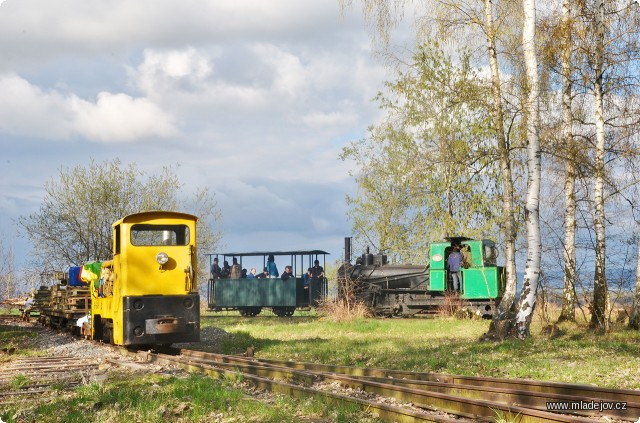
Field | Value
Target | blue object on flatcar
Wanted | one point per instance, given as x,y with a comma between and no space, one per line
74,276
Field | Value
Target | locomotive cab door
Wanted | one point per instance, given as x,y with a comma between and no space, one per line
437,266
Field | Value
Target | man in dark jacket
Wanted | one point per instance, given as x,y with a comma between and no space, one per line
317,273
216,270
288,273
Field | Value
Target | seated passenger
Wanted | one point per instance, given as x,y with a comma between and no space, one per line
252,273
244,274
307,278
263,275
226,270
288,273
236,270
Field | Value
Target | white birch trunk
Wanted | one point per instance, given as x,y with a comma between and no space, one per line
507,180
634,318
568,312
599,319
527,300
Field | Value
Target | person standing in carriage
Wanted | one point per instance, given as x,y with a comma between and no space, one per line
317,273
216,270
272,268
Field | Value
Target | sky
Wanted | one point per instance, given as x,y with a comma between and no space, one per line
252,99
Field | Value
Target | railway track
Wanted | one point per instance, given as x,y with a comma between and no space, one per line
416,397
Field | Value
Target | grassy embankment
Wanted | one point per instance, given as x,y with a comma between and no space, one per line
571,354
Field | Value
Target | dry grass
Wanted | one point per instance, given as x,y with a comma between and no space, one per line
341,310
451,305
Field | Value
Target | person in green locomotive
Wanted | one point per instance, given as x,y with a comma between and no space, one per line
453,263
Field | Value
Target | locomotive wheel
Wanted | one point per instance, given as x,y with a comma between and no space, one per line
243,312
289,311
254,311
107,333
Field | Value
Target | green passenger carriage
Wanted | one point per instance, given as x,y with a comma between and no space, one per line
282,297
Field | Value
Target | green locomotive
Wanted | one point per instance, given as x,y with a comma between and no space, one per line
406,289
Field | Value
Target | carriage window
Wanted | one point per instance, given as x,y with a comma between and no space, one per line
160,235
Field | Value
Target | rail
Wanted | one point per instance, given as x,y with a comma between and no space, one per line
414,396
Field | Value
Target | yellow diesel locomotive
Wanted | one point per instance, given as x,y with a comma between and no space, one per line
148,293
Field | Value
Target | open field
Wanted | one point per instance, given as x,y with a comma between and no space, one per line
443,345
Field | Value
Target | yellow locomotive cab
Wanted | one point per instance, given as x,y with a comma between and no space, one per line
148,293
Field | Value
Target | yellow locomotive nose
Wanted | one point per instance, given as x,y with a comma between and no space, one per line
154,299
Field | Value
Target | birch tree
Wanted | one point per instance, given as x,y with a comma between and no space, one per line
497,327
527,300
8,278
568,310
634,316
600,293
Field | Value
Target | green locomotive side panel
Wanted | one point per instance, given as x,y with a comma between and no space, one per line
437,280
436,255
481,282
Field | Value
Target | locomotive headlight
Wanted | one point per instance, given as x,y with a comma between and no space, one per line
162,258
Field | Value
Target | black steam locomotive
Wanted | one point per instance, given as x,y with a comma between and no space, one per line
407,289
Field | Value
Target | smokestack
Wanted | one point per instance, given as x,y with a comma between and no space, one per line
347,249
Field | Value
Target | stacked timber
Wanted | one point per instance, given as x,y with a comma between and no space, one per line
42,299
77,300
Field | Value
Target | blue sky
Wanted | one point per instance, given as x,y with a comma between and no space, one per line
252,99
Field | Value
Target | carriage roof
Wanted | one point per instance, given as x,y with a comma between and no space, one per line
275,253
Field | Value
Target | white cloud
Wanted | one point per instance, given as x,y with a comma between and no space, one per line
321,120
33,30
290,76
119,118
176,69
29,111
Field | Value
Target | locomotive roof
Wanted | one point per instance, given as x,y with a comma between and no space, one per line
154,214
275,253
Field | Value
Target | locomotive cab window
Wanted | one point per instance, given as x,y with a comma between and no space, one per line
117,240
150,235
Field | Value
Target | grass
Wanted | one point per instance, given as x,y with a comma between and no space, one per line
444,345
154,398
570,353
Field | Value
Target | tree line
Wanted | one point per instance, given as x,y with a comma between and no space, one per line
514,120
72,226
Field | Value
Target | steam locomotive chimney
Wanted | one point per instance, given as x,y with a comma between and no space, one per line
347,249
